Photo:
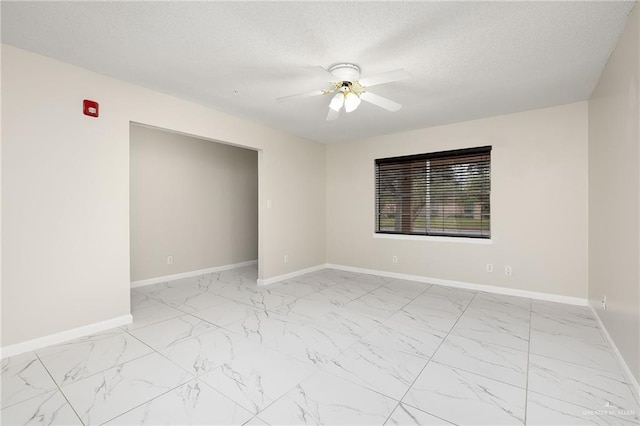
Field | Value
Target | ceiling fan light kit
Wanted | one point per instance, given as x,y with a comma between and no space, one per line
337,101
351,101
349,90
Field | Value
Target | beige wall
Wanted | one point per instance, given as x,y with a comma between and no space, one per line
614,195
65,191
192,199
538,203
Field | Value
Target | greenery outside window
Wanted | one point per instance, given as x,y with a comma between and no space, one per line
441,194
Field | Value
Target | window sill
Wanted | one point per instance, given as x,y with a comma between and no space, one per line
464,240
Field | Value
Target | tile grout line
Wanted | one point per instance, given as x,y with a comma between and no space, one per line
284,283
526,387
97,372
429,361
573,363
381,323
574,404
59,389
218,367
278,398
196,377
320,369
102,371
146,402
398,310
359,340
203,383
255,416
417,409
193,378
162,355
481,375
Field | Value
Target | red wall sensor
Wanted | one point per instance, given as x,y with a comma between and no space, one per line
90,108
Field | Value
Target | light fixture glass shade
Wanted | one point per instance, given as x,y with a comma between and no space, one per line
337,101
351,102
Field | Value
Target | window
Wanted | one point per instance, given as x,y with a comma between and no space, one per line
442,194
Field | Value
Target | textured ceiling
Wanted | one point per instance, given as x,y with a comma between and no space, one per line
467,60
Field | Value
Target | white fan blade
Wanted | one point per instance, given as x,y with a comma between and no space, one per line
386,77
385,103
302,95
332,115
323,73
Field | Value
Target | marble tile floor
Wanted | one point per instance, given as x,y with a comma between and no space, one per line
330,347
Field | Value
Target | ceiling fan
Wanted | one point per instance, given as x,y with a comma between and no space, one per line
349,90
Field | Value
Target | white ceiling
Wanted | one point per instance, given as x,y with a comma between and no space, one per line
467,59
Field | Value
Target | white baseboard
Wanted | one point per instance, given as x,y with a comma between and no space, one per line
468,286
635,387
63,336
173,277
290,275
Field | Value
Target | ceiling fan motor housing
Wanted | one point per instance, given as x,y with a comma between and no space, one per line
346,73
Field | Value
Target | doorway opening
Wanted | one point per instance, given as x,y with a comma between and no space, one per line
193,206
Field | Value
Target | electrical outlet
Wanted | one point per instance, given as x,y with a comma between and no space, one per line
604,303
394,259
169,260
489,267
508,271
286,258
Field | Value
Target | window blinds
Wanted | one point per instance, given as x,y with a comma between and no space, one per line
442,193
